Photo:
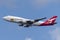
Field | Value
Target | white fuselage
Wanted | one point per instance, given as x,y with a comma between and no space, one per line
28,22
20,19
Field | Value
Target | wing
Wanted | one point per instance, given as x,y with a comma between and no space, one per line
29,23
36,20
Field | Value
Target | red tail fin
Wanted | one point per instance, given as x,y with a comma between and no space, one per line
51,20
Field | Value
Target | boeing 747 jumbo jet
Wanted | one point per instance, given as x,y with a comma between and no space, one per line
28,22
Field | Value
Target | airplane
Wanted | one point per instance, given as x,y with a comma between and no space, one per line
28,22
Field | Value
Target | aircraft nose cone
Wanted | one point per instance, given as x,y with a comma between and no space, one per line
5,18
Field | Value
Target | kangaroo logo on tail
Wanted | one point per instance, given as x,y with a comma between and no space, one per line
51,20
